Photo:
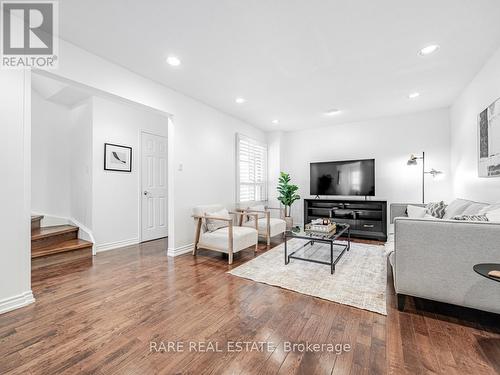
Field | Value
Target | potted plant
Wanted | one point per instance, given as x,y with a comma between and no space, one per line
287,195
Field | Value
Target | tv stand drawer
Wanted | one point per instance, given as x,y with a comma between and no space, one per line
369,225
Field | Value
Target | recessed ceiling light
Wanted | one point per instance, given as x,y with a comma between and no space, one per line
413,95
428,50
173,61
332,112
275,121
240,100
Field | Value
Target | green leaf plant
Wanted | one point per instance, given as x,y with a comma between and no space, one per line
287,192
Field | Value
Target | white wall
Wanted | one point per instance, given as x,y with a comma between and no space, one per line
479,94
116,205
50,157
80,173
15,197
390,141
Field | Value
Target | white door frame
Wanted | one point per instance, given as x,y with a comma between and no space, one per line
139,164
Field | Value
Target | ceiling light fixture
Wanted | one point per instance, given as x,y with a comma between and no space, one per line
428,50
413,95
173,61
275,122
240,100
332,112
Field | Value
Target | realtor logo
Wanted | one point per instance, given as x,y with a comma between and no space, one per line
29,34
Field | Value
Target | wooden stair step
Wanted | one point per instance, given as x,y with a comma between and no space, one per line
44,232
36,217
48,236
61,247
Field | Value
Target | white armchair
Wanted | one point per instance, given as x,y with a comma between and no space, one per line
266,225
229,239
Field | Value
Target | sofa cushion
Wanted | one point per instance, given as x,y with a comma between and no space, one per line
415,212
491,207
456,208
277,226
470,218
436,209
494,215
214,224
243,237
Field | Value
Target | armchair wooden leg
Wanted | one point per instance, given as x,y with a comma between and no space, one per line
257,229
268,227
197,235
230,243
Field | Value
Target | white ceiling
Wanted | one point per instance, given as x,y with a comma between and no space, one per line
293,59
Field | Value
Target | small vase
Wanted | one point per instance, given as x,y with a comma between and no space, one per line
289,222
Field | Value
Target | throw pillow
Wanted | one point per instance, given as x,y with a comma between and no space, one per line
494,215
456,208
470,218
475,209
436,209
415,212
214,224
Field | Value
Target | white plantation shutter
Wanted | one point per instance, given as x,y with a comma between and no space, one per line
251,169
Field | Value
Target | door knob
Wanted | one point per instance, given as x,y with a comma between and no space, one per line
146,192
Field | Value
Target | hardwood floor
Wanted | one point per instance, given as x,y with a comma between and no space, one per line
101,317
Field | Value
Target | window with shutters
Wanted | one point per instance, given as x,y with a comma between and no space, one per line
251,169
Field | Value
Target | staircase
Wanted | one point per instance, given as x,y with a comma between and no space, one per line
57,246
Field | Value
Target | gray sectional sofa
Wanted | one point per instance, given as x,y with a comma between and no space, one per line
433,258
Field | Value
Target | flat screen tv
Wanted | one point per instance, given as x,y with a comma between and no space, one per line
351,177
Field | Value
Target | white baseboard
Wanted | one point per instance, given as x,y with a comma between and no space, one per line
16,302
173,252
116,245
84,233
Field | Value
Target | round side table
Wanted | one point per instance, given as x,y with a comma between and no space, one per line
484,268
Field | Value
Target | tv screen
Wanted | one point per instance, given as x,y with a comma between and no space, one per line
353,177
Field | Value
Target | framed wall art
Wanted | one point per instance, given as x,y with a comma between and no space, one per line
117,158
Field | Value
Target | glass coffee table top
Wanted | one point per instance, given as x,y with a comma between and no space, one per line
299,232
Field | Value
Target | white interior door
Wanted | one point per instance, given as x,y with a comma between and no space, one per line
154,186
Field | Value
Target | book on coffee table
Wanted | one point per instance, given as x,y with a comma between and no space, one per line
321,226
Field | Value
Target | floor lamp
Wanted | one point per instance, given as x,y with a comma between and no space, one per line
413,161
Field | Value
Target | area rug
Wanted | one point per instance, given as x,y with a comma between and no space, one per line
359,280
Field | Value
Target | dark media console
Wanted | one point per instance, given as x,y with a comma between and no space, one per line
367,218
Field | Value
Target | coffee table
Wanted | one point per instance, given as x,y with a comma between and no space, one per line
331,238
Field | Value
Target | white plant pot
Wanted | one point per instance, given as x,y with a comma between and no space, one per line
289,222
